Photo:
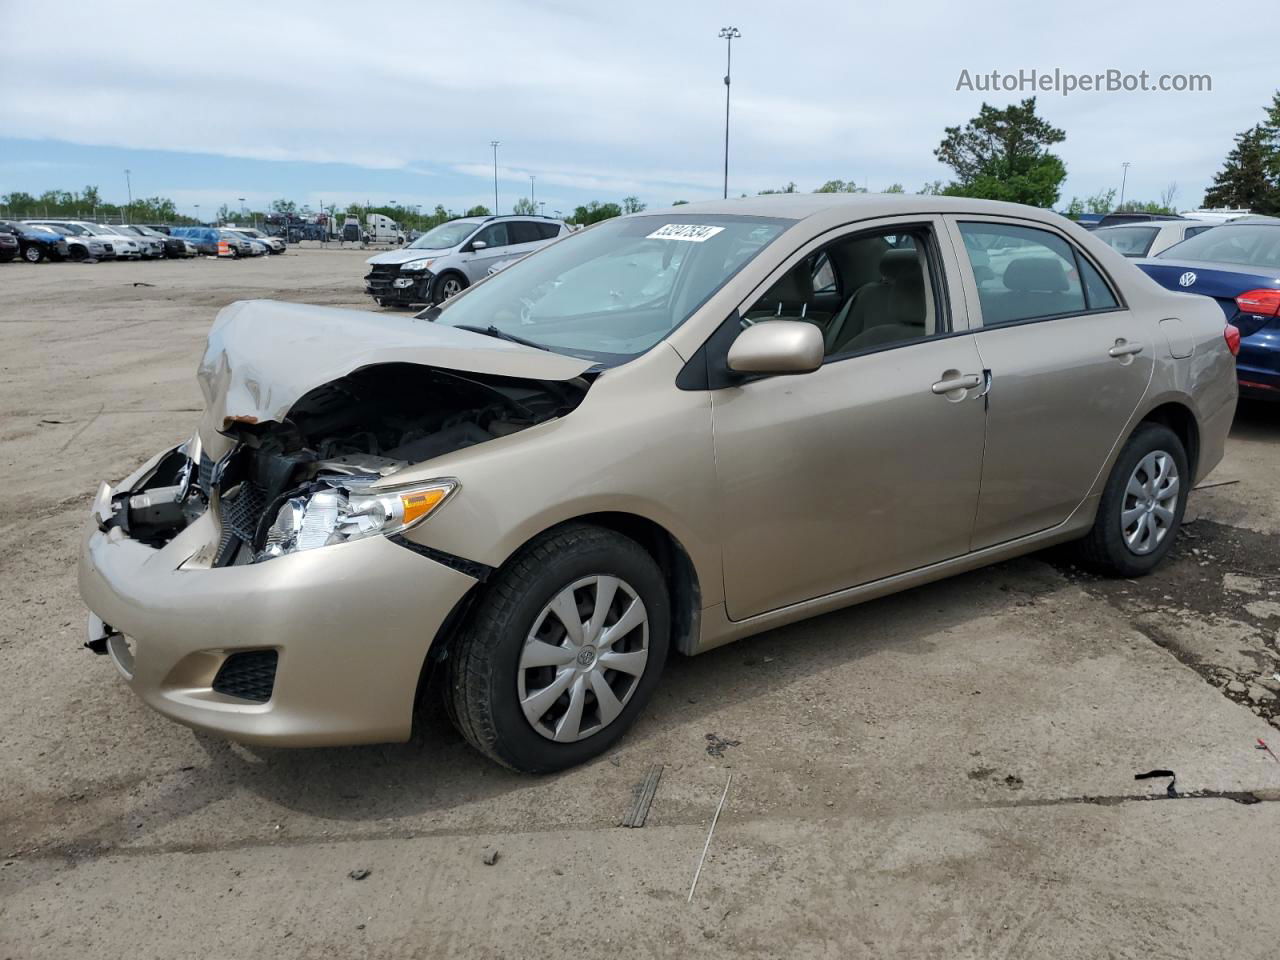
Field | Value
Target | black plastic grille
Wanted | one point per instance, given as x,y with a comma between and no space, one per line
241,513
204,477
249,676
380,277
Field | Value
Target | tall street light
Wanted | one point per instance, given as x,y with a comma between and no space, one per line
129,185
494,144
727,34
242,210
533,199
1124,177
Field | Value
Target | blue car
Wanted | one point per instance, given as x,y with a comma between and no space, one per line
1238,265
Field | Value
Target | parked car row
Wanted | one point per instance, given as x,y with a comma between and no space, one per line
53,239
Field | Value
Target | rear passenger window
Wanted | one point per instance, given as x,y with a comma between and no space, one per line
1022,273
1096,292
522,231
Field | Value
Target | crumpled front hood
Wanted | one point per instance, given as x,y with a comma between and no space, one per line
263,356
404,255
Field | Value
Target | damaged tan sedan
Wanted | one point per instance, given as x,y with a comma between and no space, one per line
664,433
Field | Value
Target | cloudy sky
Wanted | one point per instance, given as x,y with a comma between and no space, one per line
353,102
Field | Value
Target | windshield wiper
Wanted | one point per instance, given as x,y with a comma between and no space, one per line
492,331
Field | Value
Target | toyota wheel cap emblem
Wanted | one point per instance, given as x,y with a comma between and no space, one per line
1187,279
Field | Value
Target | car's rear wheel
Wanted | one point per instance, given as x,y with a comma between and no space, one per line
447,285
33,254
1142,504
562,652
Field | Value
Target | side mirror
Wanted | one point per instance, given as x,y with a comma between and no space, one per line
777,347
478,245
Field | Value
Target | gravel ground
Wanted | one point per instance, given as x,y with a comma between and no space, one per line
944,773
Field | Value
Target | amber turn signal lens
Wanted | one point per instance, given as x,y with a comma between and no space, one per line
419,504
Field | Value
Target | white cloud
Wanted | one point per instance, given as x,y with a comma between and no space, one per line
622,98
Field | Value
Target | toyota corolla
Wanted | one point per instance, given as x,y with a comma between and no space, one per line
660,434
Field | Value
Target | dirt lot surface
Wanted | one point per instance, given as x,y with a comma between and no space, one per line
944,773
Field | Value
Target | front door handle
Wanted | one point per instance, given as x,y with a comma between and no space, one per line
1125,348
956,382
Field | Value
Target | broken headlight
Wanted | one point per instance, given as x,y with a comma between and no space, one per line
344,509
415,266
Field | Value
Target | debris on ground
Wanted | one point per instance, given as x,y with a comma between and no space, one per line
1262,745
716,745
490,857
642,797
359,874
710,831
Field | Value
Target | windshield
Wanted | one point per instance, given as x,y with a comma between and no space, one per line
1131,241
51,228
1248,244
612,292
445,236
249,232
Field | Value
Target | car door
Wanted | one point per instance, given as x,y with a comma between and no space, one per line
525,238
1069,364
870,465
496,243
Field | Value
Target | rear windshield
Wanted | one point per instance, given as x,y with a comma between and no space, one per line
1246,244
1131,241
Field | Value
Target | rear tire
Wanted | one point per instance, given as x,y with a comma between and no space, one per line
1142,505
514,647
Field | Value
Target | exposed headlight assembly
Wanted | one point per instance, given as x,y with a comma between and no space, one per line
416,266
343,509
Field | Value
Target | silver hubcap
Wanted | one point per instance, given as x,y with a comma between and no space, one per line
1150,500
583,659
450,288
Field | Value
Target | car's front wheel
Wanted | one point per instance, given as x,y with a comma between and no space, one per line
33,254
447,285
562,652
1142,504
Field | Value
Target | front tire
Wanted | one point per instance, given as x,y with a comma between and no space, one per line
1142,504
562,652
33,254
447,285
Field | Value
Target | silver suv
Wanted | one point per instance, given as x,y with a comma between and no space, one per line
449,258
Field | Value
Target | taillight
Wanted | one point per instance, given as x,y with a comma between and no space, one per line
1232,336
1265,303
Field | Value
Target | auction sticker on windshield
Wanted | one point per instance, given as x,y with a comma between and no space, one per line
692,232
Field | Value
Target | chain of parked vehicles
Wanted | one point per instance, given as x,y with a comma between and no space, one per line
36,240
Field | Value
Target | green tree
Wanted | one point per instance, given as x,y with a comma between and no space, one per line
838,186
789,188
680,203
594,212
480,210
1002,154
632,205
1250,176
894,188
524,207
932,189
288,206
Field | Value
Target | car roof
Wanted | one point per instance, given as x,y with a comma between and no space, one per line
842,207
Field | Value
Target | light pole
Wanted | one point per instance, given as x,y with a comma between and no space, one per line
129,185
1123,178
533,199
494,144
242,208
542,207
197,213
728,34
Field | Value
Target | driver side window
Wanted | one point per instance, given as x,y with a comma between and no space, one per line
866,292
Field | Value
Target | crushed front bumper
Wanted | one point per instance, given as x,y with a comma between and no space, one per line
387,284
351,625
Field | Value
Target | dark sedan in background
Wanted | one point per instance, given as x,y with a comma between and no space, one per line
9,248
1238,265
34,244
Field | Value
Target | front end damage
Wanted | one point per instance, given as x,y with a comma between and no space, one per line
254,581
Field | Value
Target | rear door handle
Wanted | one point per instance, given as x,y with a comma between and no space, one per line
965,382
1125,348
